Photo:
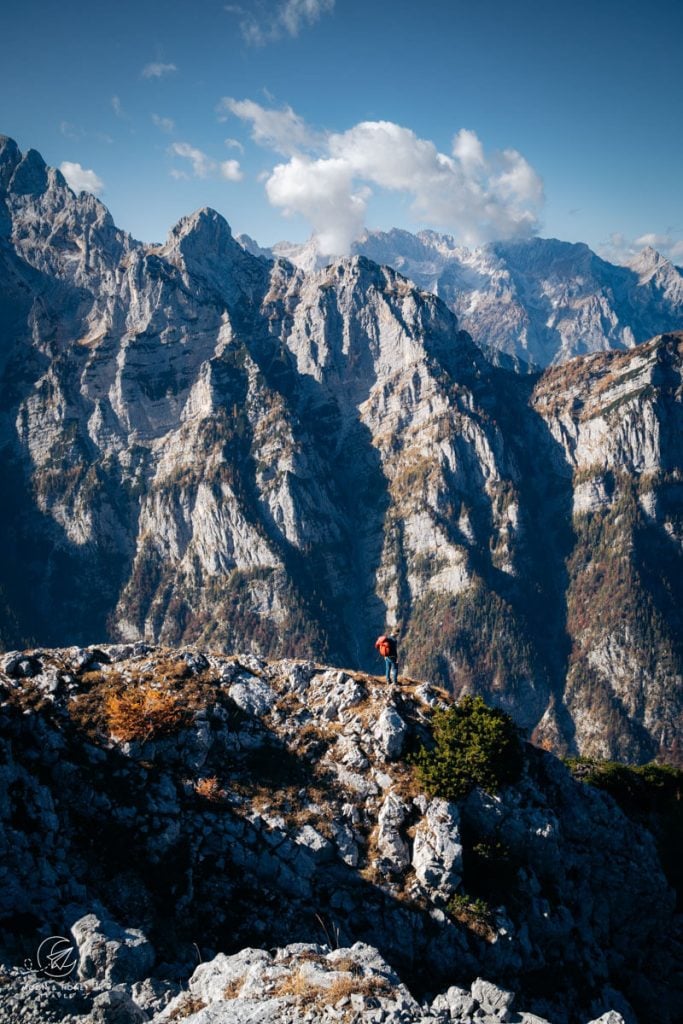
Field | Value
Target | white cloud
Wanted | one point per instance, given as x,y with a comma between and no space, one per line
70,131
328,178
295,14
117,106
231,171
157,70
80,179
321,191
166,124
260,24
202,165
620,249
235,144
281,130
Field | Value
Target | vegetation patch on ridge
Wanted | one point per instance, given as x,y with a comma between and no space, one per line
474,745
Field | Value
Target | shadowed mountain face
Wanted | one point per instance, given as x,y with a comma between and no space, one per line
202,445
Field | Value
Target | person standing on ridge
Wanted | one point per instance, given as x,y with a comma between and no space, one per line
388,648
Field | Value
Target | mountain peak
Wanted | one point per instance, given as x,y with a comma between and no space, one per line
203,222
30,175
648,257
10,157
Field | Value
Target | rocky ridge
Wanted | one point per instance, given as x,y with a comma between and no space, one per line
162,807
202,446
540,301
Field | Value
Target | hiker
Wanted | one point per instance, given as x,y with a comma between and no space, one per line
387,647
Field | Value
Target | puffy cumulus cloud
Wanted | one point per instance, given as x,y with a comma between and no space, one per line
280,130
157,69
203,166
321,191
80,179
166,124
620,249
261,23
231,170
475,196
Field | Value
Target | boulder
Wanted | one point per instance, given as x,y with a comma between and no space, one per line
493,1000
320,848
116,1007
18,665
457,1002
109,953
437,851
210,980
391,845
252,695
390,733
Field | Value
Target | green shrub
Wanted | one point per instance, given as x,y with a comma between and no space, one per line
650,794
474,745
476,914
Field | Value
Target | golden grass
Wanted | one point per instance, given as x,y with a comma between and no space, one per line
186,1007
210,789
143,712
299,987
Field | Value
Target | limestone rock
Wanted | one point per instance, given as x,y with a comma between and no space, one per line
108,952
437,851
390,732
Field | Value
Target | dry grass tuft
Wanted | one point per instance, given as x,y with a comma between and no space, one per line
233,988
210,789
186,1007
143,713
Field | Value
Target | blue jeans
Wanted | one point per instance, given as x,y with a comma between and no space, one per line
391,670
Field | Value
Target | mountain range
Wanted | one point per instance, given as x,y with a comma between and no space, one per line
203,445
540,301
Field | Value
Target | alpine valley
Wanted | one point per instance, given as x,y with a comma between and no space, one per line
205,445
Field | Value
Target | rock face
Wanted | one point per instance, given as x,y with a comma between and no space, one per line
202,445
541,301
156,821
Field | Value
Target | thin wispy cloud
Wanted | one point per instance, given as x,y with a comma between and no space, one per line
261,23
329,178
75,133
70,131
280,130
157,70
81,179
165,124
203,166
235,144
117,107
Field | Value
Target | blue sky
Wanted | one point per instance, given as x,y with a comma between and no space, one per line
486,120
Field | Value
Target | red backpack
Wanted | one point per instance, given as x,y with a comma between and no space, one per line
386,646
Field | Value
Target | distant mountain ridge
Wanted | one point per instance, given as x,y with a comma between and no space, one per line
541,300
202,445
